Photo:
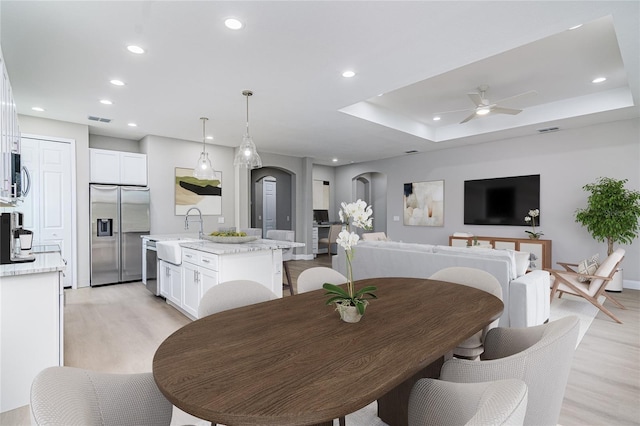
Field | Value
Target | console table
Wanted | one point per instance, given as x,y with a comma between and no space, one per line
541,249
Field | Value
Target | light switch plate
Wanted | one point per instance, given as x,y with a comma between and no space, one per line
396,218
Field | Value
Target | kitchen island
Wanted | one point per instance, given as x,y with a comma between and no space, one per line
31,323
184,279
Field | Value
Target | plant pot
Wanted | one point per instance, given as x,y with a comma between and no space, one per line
349,313
533,237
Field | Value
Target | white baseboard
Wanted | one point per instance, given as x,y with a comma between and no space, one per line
303,257
631,284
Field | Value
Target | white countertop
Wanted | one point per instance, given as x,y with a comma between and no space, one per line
257,245
170,237
45,262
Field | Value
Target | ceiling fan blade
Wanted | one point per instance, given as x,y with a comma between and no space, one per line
471,117
530,92
501,110
475,98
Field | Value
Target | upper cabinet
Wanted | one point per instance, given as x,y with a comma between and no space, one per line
10,170
321,193
116,167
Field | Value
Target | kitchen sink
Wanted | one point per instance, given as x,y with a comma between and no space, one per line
170,251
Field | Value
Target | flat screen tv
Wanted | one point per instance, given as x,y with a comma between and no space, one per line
501,201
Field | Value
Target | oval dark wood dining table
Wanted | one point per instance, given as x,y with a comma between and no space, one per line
292,361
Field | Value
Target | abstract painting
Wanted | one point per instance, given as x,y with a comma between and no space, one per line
424,203
193,192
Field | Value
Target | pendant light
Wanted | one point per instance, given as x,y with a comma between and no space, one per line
247,155
204,169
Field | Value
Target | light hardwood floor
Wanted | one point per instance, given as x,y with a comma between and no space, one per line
117,329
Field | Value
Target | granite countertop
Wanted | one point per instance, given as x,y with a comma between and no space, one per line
171,237
45,262
257,245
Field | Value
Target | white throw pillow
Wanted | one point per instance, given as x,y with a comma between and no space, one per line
588,267
522,262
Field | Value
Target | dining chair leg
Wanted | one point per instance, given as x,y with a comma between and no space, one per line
341,421
288,274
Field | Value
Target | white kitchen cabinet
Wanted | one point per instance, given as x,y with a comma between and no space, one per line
190,288
31,339
9,139
170,282
116,167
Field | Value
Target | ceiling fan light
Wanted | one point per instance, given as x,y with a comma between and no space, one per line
483,111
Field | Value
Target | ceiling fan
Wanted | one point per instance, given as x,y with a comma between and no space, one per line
485,107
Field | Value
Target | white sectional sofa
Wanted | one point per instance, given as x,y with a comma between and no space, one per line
525,295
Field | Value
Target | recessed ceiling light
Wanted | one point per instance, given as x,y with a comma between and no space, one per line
209,138
233,23
106,102
132,125
575,27
436,118
117,82
335,160
348,74
39,109
599,80
135,49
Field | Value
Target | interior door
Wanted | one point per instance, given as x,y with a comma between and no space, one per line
269,205
47,207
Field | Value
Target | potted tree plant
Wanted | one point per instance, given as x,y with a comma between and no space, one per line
612,213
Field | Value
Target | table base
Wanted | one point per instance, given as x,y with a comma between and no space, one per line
393,407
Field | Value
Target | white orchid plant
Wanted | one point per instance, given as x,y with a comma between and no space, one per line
531,218
356,214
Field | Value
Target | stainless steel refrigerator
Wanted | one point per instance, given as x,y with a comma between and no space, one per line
119,217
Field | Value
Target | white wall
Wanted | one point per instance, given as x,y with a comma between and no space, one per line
163,156
114,144
566,160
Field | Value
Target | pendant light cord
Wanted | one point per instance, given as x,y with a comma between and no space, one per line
247,93
204,121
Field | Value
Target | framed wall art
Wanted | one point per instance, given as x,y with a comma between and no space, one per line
193,192
424,203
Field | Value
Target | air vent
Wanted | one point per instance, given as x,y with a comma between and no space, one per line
100,119
413,151
549,129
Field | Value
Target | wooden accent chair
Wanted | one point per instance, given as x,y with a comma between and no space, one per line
233,294
568,281
74,396
436,402
540,356
330,240
287,254
477,278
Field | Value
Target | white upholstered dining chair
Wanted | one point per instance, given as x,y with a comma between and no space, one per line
540,356
482,280
313,278
67,396
374,236
287,254
435,403
233,294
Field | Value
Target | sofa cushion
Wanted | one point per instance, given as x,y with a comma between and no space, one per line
484,253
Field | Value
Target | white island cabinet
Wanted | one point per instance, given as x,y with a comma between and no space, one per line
205,264
31,324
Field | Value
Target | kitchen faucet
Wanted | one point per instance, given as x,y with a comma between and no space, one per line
186,221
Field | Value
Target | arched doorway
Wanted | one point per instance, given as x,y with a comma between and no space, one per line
272,195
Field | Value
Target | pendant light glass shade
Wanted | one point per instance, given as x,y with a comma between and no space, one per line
204,169
247,155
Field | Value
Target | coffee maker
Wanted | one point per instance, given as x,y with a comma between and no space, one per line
15,241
